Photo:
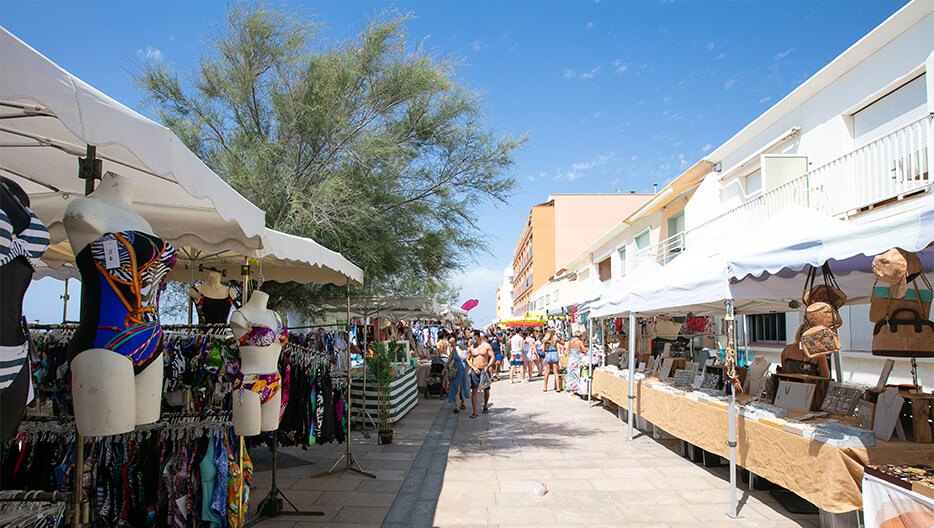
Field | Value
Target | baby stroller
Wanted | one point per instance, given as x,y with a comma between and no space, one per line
435,381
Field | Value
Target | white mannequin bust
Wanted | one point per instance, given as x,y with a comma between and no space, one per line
755,376
250,415
108,398
212,289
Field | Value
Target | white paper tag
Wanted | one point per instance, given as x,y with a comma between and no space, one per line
111,254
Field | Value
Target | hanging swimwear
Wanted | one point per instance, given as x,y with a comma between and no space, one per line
29,243
266,385
213,311
263,336
121,274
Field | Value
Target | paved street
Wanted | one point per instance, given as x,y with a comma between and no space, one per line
450,470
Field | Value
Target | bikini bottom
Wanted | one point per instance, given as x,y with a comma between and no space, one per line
266,385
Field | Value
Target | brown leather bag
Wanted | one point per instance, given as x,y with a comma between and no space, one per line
828,292
819,341
883,304
903,334
822,314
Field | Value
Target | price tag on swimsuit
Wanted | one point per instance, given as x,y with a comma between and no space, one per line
111,254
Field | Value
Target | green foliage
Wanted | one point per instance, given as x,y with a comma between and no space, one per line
379,369
371,146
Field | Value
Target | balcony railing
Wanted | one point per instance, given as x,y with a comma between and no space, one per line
664,251
875,175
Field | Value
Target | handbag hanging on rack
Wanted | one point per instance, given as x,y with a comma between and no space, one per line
822,302
828,292
883,304
903,334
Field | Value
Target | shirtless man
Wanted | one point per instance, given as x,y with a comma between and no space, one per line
479,359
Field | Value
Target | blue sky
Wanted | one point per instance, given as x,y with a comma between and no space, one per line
614,96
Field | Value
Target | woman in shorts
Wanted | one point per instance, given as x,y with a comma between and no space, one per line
551,342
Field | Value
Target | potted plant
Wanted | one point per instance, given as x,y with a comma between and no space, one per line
379,368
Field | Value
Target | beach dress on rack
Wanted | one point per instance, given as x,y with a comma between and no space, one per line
573,382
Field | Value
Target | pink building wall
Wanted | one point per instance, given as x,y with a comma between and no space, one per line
580,219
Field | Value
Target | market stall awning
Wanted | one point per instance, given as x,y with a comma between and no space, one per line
533,318
284,258
51,116
619,302
394,308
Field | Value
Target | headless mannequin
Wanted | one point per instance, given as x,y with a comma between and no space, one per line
213,289
250,415
108,397
755,377
15,277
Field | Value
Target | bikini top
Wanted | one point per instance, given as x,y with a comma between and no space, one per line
31,243
263,336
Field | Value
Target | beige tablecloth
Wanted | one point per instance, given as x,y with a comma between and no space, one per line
827,476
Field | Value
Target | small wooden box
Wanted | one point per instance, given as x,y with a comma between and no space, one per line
819,392
918,416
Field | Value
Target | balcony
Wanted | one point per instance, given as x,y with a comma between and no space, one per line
880,174
663,251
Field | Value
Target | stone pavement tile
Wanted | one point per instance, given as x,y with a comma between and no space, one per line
341,498
648,498
623,484
594,514
275,523
377,486
541,475
361,515
466,486
653,513
451,516
704,496
466,474
521,516
689,470
389,455
326,484
689,483
775,512
651,474
467,499
716,512
556,485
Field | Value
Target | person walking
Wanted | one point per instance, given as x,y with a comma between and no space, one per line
479,359
576,353
516,358
457,363
531,353
551,342
493,340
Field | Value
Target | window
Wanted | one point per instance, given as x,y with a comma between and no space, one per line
622,261
753,184
643,240
766,328
604,270
896,109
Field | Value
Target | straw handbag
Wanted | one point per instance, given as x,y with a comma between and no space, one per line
903,334
883,304
828,292
822,314
819,341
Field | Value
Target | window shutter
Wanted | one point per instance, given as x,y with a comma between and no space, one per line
898,108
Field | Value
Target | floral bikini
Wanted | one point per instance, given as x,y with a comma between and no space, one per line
266,385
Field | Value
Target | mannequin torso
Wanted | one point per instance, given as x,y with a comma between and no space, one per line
214,300
116,378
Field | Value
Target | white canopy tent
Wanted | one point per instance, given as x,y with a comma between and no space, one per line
51,117
619,302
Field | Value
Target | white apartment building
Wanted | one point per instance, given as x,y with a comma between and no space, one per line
854,141
504,296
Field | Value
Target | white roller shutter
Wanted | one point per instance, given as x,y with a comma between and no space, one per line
896,109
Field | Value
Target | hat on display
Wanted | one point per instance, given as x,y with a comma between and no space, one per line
894,267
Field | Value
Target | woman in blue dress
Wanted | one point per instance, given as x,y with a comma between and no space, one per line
459,388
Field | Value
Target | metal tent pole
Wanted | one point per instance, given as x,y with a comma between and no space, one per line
632,373
350,463
589,356
731,442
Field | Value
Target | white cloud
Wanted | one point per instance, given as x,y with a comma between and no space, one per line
569,73
589,25
782,55
710,46
620,66
596,115
150,53
668,99
729,84
591,74
584,165
478,45
707,147
765,99
721,55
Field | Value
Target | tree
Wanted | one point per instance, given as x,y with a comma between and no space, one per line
371,146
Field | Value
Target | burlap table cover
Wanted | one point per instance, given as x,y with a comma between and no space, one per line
828,476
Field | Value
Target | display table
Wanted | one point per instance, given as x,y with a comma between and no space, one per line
403,395
825,475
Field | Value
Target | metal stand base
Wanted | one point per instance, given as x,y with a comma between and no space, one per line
352,465
271,505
